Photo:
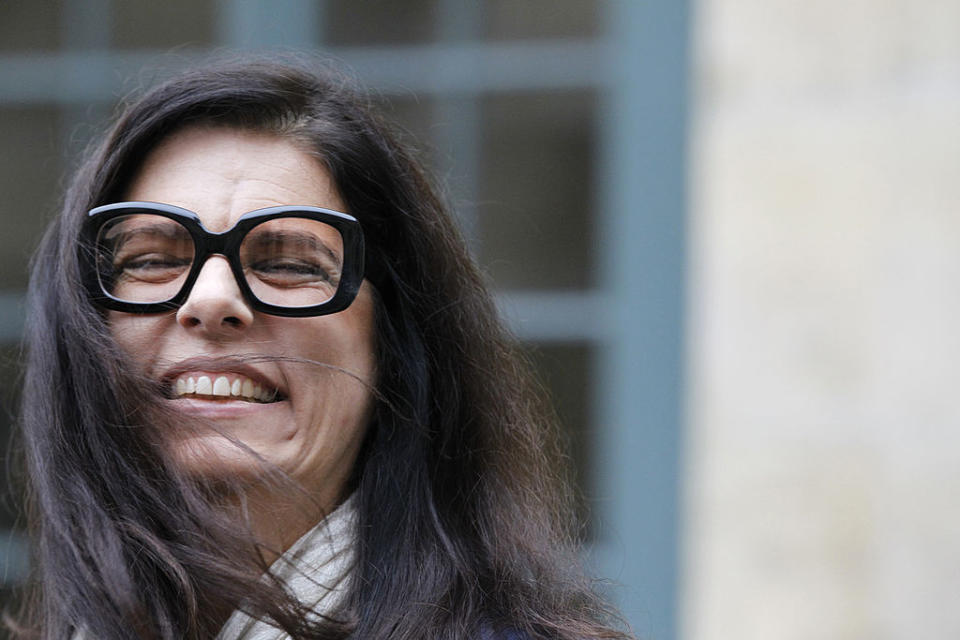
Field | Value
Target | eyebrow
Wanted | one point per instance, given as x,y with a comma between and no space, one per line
160,229
298,239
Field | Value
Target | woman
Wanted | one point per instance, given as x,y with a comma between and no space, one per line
254,315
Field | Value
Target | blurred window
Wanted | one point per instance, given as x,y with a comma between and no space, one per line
536,195
509,19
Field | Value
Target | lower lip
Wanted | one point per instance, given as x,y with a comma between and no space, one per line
223,408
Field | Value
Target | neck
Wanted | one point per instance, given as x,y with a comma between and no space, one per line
278,521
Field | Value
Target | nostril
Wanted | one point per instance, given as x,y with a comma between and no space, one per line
215,303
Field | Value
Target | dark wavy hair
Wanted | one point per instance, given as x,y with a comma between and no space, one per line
466,523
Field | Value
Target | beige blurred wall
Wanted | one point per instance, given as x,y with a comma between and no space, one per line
823,466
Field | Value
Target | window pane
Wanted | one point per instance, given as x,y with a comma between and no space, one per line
29,26
414,116
566,370
159,25
352,23
536,189
30,171
509,19
12,557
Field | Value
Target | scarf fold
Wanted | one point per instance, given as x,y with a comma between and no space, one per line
316,569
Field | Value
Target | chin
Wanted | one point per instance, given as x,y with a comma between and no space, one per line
219,459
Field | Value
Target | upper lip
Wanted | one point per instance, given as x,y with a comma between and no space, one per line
203,364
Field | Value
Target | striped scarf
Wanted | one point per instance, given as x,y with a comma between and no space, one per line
316,569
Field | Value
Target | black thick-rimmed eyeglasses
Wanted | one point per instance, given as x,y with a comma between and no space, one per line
144,257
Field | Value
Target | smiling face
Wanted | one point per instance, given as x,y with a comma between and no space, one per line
307,419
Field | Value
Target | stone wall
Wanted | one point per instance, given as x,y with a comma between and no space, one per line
823,464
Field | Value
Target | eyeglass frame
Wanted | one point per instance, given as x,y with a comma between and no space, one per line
226,244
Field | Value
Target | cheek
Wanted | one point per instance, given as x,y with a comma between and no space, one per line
137,335
341,369
346,339
336,400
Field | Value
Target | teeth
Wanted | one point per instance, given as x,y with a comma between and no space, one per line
221,387
241,387
204,386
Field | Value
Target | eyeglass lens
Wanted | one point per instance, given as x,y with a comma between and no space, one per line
287,262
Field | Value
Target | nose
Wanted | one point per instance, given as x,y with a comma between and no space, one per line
216,305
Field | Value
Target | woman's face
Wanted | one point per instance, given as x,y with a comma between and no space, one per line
314,431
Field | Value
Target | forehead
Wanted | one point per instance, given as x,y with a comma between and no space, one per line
222,173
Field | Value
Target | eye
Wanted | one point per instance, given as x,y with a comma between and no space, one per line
289,271
151,267
292,262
